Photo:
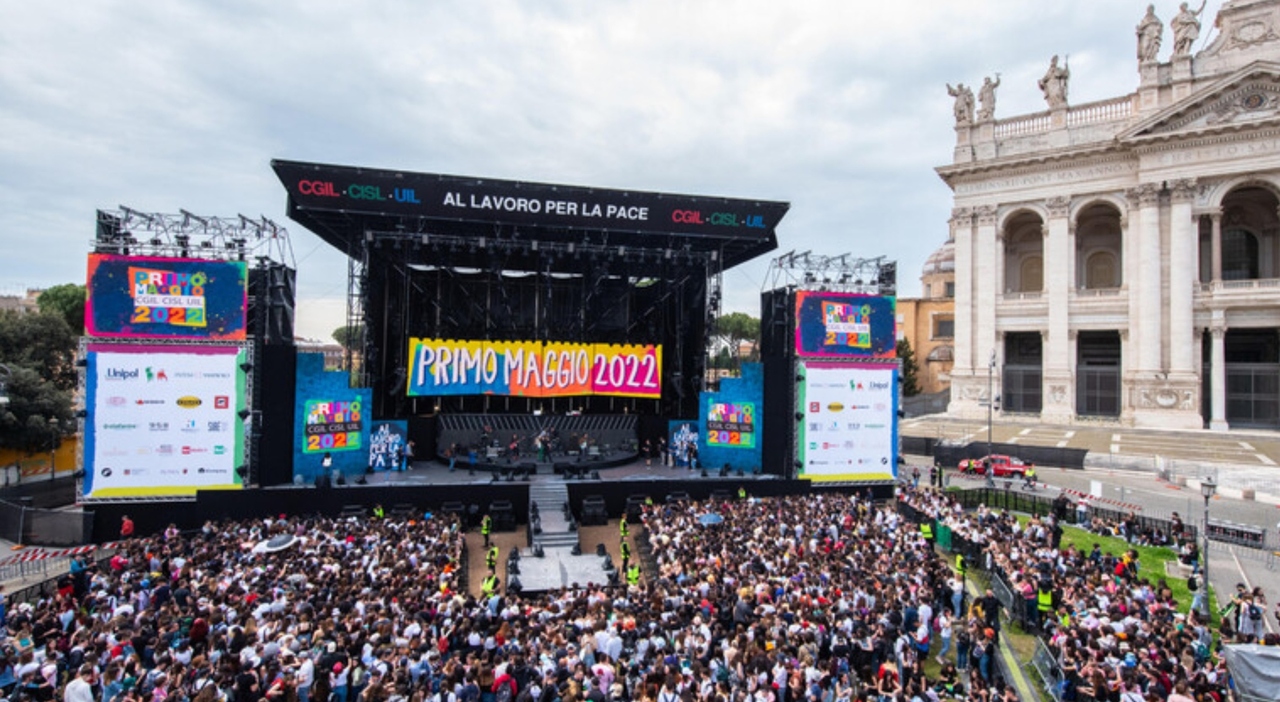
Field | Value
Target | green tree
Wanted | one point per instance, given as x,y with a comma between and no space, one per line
346,336
66,301
910,371
39,352
734,328
42,342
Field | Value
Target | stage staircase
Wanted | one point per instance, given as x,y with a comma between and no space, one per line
551,495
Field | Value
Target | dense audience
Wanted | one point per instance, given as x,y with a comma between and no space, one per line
821,597
1115,628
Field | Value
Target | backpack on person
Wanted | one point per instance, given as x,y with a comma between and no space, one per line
504,693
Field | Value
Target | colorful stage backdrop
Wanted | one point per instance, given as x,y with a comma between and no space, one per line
143,297
731,422
163,420
533,368
845,325
388,439
850,425
331,418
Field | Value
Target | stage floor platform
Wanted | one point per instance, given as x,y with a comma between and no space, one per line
560,569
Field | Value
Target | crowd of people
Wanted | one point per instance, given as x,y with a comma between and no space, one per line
1115,628
817,597
801,598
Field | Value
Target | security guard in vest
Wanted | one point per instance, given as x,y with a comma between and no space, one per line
378,511
491,558
489,586
1044,602
926,530
742,493
626,555
633,574
623,531
486,526
960,566
1029,478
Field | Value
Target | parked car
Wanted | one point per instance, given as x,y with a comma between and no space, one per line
1003,465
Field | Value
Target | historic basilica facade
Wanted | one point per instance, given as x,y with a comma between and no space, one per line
1119,261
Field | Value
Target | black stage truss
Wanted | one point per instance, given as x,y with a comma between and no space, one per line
466,258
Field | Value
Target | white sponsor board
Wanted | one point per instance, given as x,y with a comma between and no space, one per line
849,429
162,422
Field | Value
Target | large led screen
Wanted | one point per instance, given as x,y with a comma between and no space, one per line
849,429
533,368
163,420
151,297
845,325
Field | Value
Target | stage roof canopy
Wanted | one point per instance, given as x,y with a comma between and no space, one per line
342,204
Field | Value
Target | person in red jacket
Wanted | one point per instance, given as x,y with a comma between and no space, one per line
504,680
126,527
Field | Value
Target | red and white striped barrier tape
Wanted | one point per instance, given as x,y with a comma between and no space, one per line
42,554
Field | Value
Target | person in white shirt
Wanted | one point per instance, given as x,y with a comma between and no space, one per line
80,689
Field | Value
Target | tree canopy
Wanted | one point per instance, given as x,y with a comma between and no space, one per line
67,301
732,329
910,369
345,336
39,352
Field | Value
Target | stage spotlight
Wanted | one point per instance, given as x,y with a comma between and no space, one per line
595,475
82,362
576,550
799,416
361,481
514,586
244,413
704,472
799,378
246,366
538,552
82,413
601,550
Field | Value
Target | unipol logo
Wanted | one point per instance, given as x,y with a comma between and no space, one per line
121,374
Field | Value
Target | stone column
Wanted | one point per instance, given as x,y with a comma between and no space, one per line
1150,329
1218,379
985,277
964,401
1215,249
962,232
1056,376
1184,242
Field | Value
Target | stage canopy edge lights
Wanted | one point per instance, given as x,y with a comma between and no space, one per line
339,203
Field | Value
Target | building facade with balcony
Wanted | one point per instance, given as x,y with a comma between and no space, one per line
1119,261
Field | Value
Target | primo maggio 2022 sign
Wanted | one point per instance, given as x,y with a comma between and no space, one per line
533,368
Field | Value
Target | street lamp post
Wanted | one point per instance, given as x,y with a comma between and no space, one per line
1207,488
991,398
53,449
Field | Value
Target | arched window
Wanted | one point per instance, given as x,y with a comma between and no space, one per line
1239,255
1100,271
1031,274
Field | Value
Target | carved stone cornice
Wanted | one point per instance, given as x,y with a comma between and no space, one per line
1058,206
986,215
1183,190
1218,331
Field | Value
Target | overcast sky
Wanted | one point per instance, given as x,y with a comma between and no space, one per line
838,107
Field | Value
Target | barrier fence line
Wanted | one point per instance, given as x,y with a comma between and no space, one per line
43,554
